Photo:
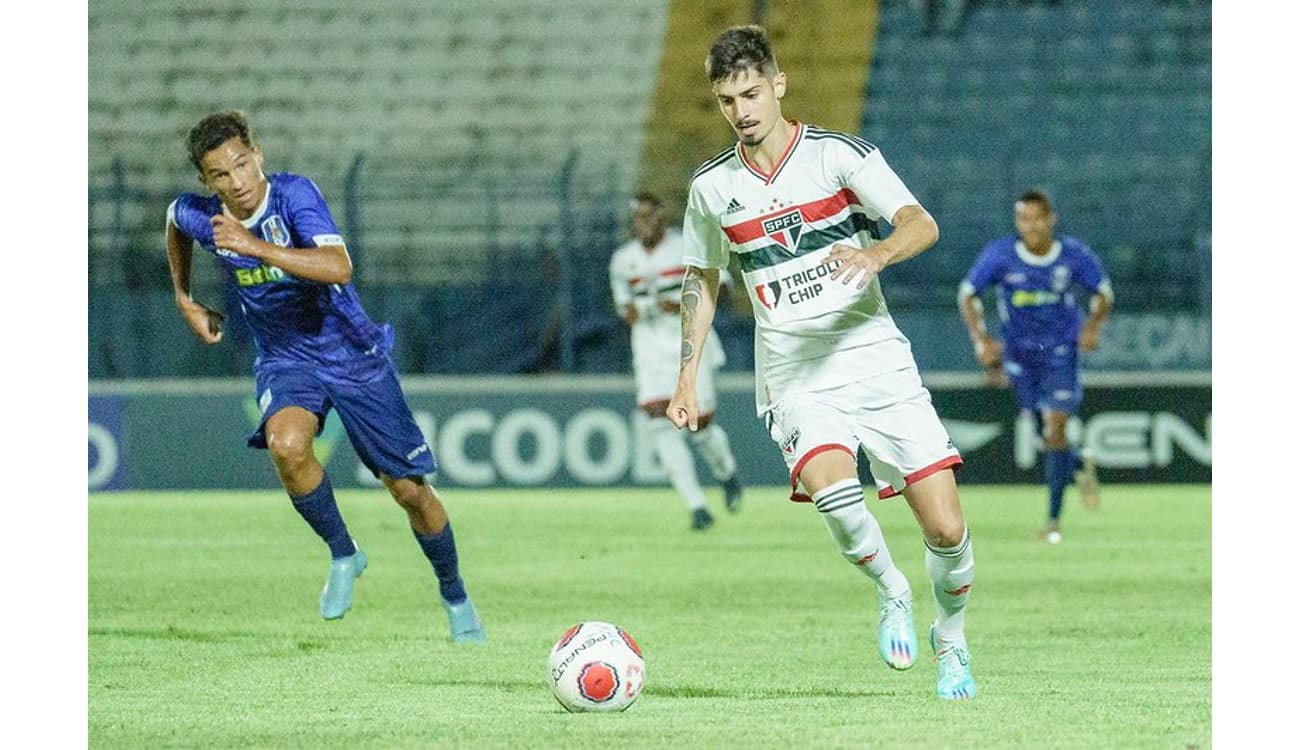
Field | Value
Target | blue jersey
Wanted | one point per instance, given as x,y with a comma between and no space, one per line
295,322
1035,294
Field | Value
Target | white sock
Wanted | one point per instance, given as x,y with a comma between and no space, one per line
951,570
715,449
858,535
677,462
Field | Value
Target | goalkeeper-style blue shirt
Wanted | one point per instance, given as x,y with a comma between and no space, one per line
295,322
1035,294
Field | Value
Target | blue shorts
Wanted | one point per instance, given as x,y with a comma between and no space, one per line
374,414
1045,379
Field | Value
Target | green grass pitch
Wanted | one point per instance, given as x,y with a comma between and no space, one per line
204,630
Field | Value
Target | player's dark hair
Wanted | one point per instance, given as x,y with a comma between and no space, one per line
738,49
648,197
214,130
1036,196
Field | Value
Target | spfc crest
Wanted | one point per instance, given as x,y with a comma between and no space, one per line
275,232
785,230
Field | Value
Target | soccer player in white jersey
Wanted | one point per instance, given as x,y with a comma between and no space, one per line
645,276
801,208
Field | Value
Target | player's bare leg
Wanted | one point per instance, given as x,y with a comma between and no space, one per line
423,508
432,530
289,435
1085,478
950,562
1061,466
831,477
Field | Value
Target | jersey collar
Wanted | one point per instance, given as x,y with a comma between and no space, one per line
1039,260
780,163
251,221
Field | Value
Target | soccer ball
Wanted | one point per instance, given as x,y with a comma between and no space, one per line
596,666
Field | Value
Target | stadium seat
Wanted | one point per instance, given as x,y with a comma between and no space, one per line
1106,104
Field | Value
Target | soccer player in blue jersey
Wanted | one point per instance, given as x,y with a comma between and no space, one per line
1036,275
316,350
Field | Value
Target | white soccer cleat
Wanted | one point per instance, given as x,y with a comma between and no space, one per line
955,679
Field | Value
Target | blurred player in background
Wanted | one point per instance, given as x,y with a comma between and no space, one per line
801,207
316,350
1043,331
645,275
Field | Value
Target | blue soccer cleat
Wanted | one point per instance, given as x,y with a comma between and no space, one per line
731,486
897,637
955,680
465,624
336,599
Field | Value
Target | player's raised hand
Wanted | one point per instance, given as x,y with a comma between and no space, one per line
851,262
684,409
203,320
229,233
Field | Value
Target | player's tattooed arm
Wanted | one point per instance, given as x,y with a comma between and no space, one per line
692,291
699,301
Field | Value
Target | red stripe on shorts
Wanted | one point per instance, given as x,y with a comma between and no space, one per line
800,497
918,475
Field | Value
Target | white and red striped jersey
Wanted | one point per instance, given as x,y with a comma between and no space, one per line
811,332
645,278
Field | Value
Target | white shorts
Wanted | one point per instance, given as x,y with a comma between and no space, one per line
889,416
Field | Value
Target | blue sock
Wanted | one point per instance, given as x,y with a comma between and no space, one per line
1059,469
440,548
320,512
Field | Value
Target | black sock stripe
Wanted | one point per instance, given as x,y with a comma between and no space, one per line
855,491
845,504
839,494
855,487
